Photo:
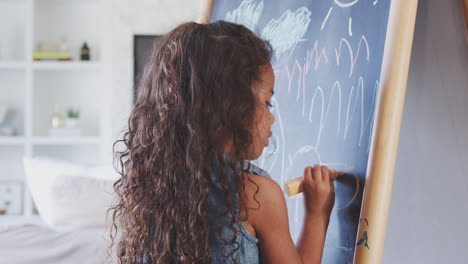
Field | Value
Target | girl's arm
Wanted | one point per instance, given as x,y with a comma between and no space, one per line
313,238
272,227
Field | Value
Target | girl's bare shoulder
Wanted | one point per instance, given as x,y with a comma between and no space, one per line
262,193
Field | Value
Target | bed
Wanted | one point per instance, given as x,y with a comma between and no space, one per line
36,243
72,200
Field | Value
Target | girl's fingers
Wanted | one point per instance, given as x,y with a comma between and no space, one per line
317,173
307,175
325,174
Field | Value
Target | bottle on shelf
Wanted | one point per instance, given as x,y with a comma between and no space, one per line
84,52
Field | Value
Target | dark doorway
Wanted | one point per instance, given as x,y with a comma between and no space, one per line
142,47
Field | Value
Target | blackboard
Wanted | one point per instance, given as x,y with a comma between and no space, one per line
327,63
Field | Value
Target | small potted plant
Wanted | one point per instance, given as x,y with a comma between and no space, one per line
72,120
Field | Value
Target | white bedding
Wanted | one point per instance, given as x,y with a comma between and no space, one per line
33,243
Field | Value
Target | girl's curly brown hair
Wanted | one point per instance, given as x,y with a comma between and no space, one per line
194,96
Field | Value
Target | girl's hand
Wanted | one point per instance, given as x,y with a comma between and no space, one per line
319,191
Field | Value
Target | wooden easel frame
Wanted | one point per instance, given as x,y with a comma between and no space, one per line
464,4
386,131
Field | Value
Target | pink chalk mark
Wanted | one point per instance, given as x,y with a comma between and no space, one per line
299,79
351,53
315,54
290,75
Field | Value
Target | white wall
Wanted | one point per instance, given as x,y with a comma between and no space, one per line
428,220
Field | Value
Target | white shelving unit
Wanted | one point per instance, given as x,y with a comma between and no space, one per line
32,88
12,65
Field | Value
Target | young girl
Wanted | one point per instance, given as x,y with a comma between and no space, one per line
188,193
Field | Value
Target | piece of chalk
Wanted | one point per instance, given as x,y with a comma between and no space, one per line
295,186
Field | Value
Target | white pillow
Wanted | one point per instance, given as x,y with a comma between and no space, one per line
70,194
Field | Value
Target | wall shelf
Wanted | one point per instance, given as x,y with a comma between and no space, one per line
12,65
65,140
33,87
66,65
12,140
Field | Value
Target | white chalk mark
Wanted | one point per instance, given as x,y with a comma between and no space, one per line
247,14
350,31
341,4
350,250
324,114
285,32
322,103
377,84
337,87
376,1
370,117
302,151
326,18
359,92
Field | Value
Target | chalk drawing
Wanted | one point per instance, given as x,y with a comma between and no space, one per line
303,71
341,4
326,18
353,59
350,31
360,91
247,14
350,171
373,114
285,32
314,53
370,117
290,75
324,113
299,80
